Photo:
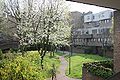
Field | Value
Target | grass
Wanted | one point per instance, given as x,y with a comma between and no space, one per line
49,60
77,61
59,54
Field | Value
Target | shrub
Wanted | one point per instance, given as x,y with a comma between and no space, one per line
20,69
103,69
24,68
14,50
9,55
1,55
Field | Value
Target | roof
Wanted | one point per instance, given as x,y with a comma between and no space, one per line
113,4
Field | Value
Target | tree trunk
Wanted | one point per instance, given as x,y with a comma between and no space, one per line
42,58
23,50
44,50
53,53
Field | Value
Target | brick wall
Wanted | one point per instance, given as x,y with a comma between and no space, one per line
88,76
115,77
117,41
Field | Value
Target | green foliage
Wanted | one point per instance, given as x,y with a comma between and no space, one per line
1,54
9,56
103,69
34,47
13,50
26,68
78,60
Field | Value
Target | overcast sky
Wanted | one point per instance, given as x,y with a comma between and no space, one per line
73,6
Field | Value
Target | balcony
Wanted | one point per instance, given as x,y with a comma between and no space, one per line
83,36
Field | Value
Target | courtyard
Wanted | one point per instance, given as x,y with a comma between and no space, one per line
46,40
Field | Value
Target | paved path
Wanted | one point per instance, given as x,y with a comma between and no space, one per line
62,70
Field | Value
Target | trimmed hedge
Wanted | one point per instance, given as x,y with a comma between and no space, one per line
103,69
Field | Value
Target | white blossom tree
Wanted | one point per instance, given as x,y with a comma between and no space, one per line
22,14
39,21
53,25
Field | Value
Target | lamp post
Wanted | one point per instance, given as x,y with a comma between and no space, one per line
70,53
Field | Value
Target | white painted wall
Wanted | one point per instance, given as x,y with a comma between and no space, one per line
105,15
98,16
88,17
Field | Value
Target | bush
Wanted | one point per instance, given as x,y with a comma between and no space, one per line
14,50
24,68
20,69
34,47
103,69
1,55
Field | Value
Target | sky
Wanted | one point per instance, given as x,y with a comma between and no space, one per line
73,6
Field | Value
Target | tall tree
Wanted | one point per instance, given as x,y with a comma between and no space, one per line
39,21
53,25
1,15
22,14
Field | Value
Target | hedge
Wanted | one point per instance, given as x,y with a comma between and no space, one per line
103,69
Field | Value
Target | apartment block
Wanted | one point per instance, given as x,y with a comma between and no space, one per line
95,34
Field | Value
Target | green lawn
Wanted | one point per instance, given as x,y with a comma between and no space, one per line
77,63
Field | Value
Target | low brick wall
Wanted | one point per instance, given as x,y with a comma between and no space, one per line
88,76
109,53
115,77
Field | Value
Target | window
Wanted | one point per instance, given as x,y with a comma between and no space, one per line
96,24
84,40
103,31
88,23
108,21
102,15
82,32
99,31
105,39
87,32
99,39
79,32
93,17
88,17
94,31
107,31
105,21
99,15
80,40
